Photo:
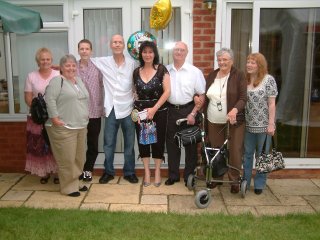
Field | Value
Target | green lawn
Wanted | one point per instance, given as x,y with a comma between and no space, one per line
26,223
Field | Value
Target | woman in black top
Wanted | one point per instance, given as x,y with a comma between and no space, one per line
152,89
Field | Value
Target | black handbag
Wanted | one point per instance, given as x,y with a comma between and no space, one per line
38,110
188,136
273,161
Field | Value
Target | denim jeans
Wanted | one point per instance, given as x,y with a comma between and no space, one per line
253,144
110,137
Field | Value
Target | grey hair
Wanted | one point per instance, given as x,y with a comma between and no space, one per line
225,50
67,57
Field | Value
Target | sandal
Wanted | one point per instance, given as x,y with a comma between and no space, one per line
56,180
44,180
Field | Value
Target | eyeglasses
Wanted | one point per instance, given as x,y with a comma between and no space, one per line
179,50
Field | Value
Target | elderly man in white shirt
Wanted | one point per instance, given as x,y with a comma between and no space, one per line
117,73
186,99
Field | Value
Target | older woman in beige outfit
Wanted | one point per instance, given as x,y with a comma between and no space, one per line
67,101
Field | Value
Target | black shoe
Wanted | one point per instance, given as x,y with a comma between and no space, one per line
74,194
258,191
105,178
83,189
82,176
171,181
131,178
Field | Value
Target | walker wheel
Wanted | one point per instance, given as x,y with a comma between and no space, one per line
191,182
243,188
203,199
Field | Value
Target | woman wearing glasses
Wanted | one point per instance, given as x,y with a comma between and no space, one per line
226,99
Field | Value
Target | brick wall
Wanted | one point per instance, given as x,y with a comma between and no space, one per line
12,146
203,36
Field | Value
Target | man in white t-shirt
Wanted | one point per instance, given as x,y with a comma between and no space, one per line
187,97
118,102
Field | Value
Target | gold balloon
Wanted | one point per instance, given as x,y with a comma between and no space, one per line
160,14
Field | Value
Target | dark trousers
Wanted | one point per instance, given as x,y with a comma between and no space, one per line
94,127
174,152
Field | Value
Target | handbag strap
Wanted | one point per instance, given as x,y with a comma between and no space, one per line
265,142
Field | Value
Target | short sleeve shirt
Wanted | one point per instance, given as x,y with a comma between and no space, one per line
257,110
36,84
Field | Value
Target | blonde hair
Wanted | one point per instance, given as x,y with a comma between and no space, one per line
262,68
40,51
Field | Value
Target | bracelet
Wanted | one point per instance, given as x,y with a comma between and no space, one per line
158,105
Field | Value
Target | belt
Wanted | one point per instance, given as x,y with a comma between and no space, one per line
177,106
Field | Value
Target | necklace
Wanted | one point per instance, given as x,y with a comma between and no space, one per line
224,82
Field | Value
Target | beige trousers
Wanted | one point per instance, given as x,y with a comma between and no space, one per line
68,148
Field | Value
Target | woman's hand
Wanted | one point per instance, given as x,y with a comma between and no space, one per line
271,129
232,116
151,112
57,121
191,119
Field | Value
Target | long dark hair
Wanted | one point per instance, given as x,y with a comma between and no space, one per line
154,48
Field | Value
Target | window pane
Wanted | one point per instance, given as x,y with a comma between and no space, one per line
99,26
4,106
168,36
23,49
241,32
49,13
290,40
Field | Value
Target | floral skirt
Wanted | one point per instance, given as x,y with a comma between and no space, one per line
40,160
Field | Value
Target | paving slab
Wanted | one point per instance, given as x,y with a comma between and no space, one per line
292,187
316,181
31,182
44,199
4,187
139,208
292,200
175,189
10,177
114,193
250,199
13,195
95,206
7,204
186,204
154,199
314,201
283,210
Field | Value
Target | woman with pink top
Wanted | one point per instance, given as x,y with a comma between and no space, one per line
39,158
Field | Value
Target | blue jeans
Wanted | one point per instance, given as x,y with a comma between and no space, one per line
110,137
253,144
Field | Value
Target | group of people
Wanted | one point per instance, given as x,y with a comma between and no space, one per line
113,86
